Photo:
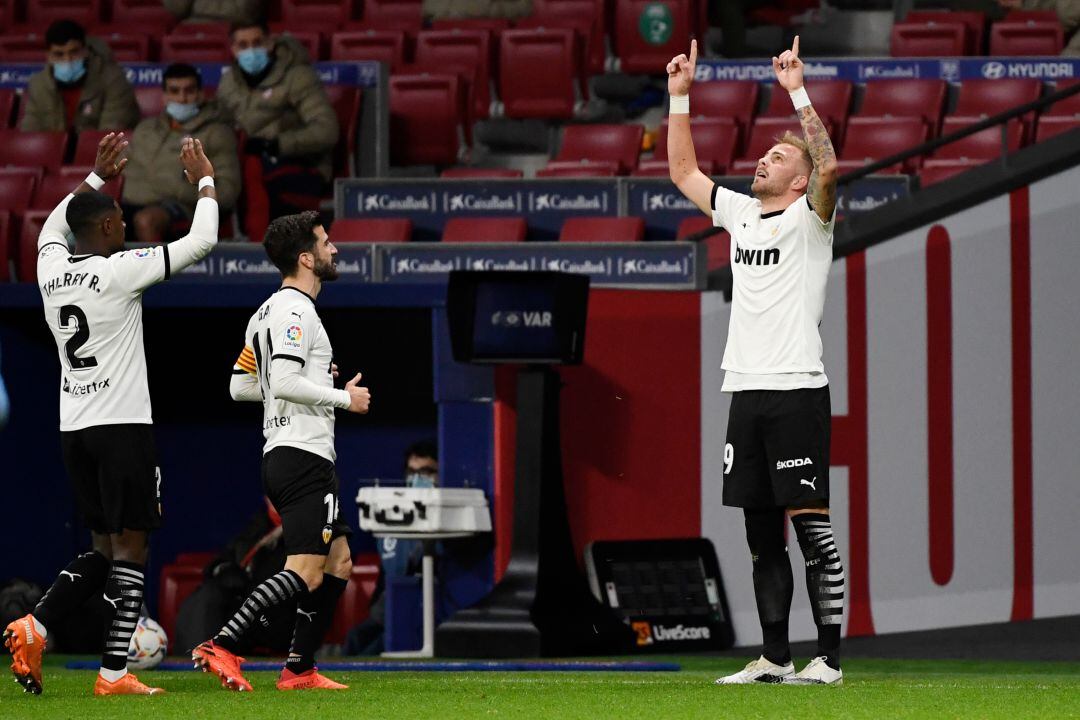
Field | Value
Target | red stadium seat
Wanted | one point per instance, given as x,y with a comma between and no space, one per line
579,169
936,170
1068,106
37,173
381,230
603,229
832,101
763,136
42,13
148,15
537,70
194,49
983,145
16,191
484,230
209,29
425,119
491,24
616,143
906,98
928,39
728,99
1026,38
328,14
974,22
584,17
476,172
151,100
649,33
6,256
26,254
1031,16
86,146
7,108
385,46
32,149
54,187
1051,125
714,145
404,15
718,247
346,101
354,605
870,138
309,38
466,49
22,48
990,97
128,48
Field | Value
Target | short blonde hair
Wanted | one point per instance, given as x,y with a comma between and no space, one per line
790,138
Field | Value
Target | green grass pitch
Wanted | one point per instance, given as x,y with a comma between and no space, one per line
876,689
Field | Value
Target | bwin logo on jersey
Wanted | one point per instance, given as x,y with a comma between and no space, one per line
797,462
768,256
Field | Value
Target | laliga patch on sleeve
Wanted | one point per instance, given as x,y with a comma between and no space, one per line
294,338
143,252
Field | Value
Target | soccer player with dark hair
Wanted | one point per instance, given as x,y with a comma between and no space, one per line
776,460
288,364
93,306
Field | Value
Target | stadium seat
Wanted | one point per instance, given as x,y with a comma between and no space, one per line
906,98
1068,106
26,253
617,143
928,39
728,99
936,170
147,15
1026,38
1051,125
6,256
86,144
648,34
974,22
7,107
151,100
16,191
578,169
537,70
870,138
603,229
355,603
493,25
32,149
468,49
484,230
22,48
128,47
718,247
203,29
983,145
194,49
385,46
832,101
425,119
44,12
383,230
328,14
477,172
763,136
714,145
990,97
1031,16
346,101
404,15
584,17
309,38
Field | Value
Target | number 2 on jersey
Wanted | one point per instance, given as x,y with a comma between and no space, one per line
69,313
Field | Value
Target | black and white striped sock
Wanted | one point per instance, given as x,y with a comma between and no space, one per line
824,581
272,591
123,600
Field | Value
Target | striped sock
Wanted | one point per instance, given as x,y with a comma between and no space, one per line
123,600
274,590
824,581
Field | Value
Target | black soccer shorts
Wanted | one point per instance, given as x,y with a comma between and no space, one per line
303,487
777,452
115,476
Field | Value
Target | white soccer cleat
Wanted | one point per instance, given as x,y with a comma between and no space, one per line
816,673
759,671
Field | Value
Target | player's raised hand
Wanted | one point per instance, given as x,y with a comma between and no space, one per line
334,370
789,68
108,163
360,396
196,164
680,72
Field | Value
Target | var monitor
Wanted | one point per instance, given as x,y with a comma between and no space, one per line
517,317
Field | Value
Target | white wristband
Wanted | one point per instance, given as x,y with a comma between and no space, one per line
206,182
94,180
680,105
799,98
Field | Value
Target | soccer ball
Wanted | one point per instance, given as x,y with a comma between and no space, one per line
148,645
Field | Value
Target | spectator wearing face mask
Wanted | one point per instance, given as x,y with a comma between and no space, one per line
158,202
275,97
80,88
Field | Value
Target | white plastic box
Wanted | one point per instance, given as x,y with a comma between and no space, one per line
423,510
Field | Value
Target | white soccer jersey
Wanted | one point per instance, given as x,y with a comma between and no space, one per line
293,359
93,306
780,265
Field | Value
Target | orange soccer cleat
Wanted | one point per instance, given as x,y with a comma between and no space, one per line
310,680
209,657
127,685
26,647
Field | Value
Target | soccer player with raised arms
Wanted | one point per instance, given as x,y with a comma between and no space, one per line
776,460
288,364
93,306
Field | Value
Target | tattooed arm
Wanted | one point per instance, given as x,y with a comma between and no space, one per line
821,188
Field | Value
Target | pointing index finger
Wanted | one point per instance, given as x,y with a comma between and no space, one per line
693,52
795,46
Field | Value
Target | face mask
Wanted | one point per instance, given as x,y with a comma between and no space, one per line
417,480
253,60
182,112
69,72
